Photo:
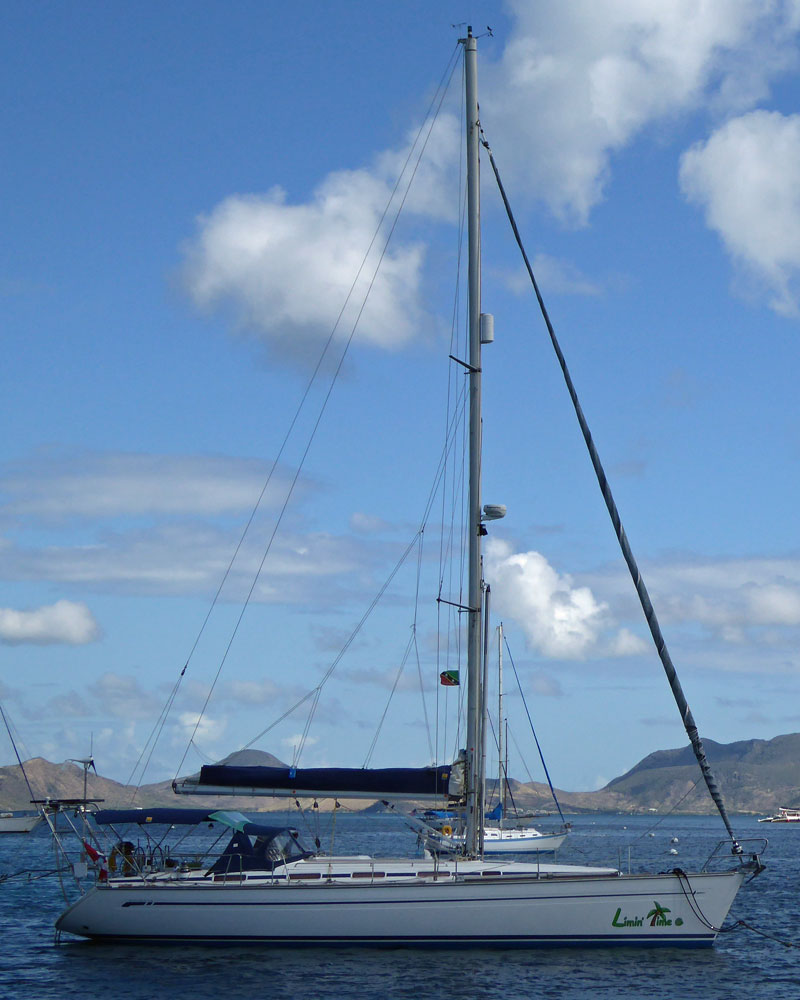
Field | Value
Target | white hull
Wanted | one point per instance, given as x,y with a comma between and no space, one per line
783,816
517,842
19,824
508,844
470,903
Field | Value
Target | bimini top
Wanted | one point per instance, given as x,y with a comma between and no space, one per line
173,816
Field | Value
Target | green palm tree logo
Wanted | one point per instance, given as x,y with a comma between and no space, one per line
658,914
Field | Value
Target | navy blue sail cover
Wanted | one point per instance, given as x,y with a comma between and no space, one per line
409,782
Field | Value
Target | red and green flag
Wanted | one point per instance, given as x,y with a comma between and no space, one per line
449,678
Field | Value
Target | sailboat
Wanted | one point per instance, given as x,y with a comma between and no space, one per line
11,822
265,888
500,836
503,832
22,821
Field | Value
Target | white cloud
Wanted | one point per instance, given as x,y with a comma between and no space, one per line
119,696
285,270
558,618
579,81
626,643
544,685
554,276
191,559
738,615
201,730
367,524
70,704
123,696
111,484
388,680
576,83
293,742
67,622
734,598
746,178
169,549
256,692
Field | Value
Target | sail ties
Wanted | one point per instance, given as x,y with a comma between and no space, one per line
641,589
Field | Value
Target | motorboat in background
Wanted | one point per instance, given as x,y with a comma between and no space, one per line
783,815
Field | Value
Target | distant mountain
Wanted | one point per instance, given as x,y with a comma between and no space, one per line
755,776
253,758
65,781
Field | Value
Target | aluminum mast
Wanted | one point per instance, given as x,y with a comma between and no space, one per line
474,825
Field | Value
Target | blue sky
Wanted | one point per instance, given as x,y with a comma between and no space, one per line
190,188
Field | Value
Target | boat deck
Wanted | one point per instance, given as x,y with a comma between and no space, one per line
367,869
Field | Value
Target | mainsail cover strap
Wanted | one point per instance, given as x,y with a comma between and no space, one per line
622,538
391,782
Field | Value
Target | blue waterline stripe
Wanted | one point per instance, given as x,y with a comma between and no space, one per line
688,940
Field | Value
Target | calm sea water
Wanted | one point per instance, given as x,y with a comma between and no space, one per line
742,964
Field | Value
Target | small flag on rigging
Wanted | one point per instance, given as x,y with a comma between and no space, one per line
449,678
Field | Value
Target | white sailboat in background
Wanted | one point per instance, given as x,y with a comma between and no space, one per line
504,831
264,888
24,822
508,833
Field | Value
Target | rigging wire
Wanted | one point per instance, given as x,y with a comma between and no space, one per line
397,677
16,751
440,472
430,120
416,646
644,597
315,691
503,784
669,812
521,756
431,744
412,644
455,326
441,475
155,734
436,485
536,738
